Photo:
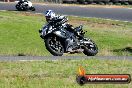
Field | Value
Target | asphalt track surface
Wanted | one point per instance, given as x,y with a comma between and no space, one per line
124,14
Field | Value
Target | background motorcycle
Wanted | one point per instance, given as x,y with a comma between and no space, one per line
58,39
24,6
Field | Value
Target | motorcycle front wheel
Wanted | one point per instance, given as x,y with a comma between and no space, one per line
32,8
90,49
54,46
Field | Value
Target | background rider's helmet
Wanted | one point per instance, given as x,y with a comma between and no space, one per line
49,14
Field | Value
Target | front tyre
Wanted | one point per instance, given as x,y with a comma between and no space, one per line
32,8
54,46
90,49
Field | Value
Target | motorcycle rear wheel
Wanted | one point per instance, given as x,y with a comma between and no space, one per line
18,7
55,47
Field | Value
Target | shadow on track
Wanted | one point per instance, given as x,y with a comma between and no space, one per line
127,49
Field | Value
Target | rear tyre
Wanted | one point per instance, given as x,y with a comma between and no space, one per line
18,7
54,46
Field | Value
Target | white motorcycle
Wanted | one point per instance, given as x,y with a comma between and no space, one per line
24,5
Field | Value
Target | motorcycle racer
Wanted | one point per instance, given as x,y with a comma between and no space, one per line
58,20
24,5
60,37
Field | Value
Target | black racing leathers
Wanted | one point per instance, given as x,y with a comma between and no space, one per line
57,21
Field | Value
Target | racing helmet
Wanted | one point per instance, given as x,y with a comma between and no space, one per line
49,14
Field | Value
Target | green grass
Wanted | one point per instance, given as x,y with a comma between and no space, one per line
19,34
59,73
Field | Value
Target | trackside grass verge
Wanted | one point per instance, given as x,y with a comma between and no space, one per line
19,34
59,73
